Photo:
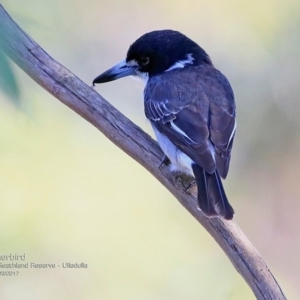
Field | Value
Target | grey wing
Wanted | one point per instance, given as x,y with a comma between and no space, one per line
222,131
200,122
182,120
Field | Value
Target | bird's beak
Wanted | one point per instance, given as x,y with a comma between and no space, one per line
118,71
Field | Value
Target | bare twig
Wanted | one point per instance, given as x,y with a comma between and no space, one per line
70,90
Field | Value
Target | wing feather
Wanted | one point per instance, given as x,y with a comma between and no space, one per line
194,107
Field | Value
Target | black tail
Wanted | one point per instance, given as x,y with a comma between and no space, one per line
211,198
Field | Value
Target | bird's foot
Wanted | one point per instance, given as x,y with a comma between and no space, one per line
165,161
191,185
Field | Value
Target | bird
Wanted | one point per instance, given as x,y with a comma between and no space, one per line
191,107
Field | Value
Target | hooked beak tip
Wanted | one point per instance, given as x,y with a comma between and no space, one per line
118,71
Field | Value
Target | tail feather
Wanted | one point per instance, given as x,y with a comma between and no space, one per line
211,198
204,202
217,195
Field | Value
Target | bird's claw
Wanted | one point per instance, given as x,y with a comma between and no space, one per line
192,184
165,161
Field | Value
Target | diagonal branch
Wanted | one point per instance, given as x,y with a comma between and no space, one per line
74,93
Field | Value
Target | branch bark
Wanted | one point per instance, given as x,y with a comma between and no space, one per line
82,99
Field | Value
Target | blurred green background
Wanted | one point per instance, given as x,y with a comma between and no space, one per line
69,195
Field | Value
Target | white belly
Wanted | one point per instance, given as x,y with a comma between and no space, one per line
179,161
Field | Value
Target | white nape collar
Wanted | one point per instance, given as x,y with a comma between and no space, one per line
182,63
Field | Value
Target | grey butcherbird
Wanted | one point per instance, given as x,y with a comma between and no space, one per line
191,107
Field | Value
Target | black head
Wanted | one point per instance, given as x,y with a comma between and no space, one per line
156,52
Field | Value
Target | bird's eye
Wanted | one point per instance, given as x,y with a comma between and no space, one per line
145,60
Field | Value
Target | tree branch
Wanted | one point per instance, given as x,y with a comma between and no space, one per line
74,93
